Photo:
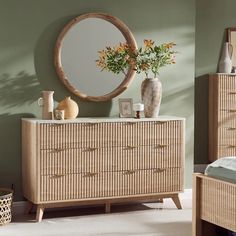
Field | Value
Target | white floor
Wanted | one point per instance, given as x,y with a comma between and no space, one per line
133,219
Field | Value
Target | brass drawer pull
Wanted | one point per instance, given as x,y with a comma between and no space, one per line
129,172
131,147
160,122
90,124
91,149
58,175
131,122
90,174
232,110
231,128
159,170
161,145
231,146
57,125
232,93
231,76
59,149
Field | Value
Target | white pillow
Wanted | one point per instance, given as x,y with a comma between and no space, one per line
225,162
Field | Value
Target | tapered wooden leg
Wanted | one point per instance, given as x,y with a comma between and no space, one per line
108,207
29,207
176,201
39,213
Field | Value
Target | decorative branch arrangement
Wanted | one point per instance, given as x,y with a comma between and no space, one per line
147,59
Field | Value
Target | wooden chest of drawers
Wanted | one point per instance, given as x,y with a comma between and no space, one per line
101,161
222,116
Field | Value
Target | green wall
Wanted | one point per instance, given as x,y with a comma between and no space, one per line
212,19
29,29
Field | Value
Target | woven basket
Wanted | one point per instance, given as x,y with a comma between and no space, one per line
5,205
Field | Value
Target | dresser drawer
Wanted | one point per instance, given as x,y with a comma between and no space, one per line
164,154
227,82
226,118
227,133
228,105
73,135
80,135
110,184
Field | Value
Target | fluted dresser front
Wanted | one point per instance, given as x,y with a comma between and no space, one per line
222,115
101,160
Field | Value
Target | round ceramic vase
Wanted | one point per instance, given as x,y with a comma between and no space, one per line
70,107
151,93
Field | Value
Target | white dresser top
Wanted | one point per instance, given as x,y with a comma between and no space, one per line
103,119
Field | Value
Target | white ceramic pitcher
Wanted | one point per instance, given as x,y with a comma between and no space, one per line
47,104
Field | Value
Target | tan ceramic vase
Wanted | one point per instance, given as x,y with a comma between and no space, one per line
151,92
70,107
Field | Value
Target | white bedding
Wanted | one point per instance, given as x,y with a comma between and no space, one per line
225,162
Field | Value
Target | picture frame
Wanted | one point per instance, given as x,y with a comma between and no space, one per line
231,38
126,107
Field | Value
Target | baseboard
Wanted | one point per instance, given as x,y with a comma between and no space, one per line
20,207
187,194
200,168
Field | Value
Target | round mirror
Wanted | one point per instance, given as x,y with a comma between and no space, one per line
77,51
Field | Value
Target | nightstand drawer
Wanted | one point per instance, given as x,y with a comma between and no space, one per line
110,184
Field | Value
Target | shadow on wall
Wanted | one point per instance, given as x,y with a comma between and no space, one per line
19,90
177,102
181,96
10,146
46,73
15,92
201,120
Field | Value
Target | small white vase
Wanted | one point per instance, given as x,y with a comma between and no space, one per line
151,92
225,63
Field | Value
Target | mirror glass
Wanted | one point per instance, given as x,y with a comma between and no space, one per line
77,51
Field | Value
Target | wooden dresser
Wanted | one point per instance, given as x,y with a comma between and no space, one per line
222,116
102,161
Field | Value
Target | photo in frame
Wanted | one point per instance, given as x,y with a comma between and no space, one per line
126,107
231,34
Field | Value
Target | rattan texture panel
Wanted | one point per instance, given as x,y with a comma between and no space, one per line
222,116
110,184
218,200
110,159
93,135
5,209
227,116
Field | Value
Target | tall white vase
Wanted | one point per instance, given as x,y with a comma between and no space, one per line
151,92
225,63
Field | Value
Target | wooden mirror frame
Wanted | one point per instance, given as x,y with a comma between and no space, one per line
129,39
232,41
